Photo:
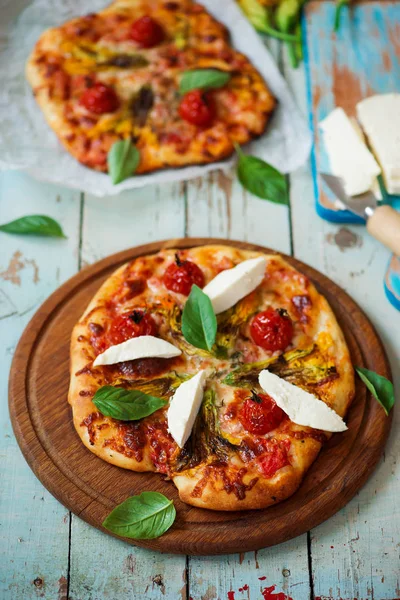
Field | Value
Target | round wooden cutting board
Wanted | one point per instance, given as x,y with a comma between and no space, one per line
91,488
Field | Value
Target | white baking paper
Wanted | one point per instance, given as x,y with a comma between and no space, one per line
28,143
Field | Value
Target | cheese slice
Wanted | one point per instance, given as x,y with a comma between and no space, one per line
144,346
348,155
184,406
231,285
301,407
380,118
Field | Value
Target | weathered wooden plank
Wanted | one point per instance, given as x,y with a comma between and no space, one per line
103,567
218,206
279,573
132,218
34,527
355,554
221,208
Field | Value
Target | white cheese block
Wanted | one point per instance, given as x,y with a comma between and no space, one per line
231,285
376,188
380,118
184,406
301,407
348,155
144,346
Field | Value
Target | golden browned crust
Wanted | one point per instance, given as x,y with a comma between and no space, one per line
239,483
68,59
218,494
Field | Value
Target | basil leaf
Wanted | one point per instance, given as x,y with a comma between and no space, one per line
381,388
125,405
262,179
199,323
123,160
203,78
143,517
34,225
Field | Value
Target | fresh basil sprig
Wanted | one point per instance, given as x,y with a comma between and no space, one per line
199,323
34,225
203,78
381,388
142,517
125,405
123,160
261,179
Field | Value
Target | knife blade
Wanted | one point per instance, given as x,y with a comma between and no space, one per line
362,205
383,221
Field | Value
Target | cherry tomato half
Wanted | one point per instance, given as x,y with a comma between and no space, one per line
275,458
272,329
147,32
260,414
181,275
197,108
130,325
100,99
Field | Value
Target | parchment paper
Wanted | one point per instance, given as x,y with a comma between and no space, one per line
28,143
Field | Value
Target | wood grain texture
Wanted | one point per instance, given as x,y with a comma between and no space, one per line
91,488
34,527
355,554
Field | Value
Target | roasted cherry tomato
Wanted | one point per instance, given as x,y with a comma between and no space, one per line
130,325
181,275
275,458
100,99
272,329
147,32
260,414
197,108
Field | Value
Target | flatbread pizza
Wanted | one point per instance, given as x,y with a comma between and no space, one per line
239,424
116,75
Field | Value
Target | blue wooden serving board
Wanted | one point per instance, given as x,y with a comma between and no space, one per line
341,70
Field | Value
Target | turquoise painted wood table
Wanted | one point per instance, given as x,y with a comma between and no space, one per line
48,553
